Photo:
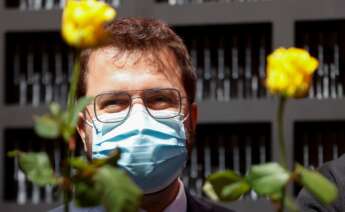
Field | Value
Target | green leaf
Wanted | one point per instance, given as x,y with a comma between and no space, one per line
70,118
210,192
47,127
13,153
277,196
55,109
79,107
234,191
117,191
37,168
68,132
78,163
266,169
216,182
323,190
270,184
112,159
85,195
267,179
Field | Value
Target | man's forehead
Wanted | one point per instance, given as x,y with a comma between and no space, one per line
159,60
155,57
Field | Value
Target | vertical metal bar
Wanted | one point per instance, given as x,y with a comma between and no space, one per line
236,153
306,162
235,66
320,70
207,69
248,69
262,65
221,67
221,153
262,150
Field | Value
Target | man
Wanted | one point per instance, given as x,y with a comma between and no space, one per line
144,88
335,172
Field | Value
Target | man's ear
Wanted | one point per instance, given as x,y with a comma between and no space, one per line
81,129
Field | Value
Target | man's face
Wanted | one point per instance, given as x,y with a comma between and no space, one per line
128,73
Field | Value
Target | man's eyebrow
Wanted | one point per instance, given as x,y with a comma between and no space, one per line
139,90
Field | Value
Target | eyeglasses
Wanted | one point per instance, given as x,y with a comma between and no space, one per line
160,103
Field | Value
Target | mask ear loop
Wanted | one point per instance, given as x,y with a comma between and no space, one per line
189,133
83,137
92,123
185,118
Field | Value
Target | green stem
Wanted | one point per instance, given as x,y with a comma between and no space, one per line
282,201
65,208
281,140
73,87
67,174
67,193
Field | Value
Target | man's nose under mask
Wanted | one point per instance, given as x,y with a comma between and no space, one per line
153,151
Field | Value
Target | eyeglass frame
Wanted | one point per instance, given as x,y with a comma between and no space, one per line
131,103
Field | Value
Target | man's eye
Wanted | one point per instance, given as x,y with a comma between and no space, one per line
114,105
160,102
162,98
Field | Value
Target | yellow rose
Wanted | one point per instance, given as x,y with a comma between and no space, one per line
289,72
83,22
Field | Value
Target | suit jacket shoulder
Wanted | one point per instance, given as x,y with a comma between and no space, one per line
335,172
196,204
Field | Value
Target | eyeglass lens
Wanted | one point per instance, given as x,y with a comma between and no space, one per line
160,103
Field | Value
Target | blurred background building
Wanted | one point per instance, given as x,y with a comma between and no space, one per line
228,41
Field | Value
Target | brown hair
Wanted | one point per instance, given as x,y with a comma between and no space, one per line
138,34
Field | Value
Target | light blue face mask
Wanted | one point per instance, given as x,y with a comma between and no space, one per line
153,151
